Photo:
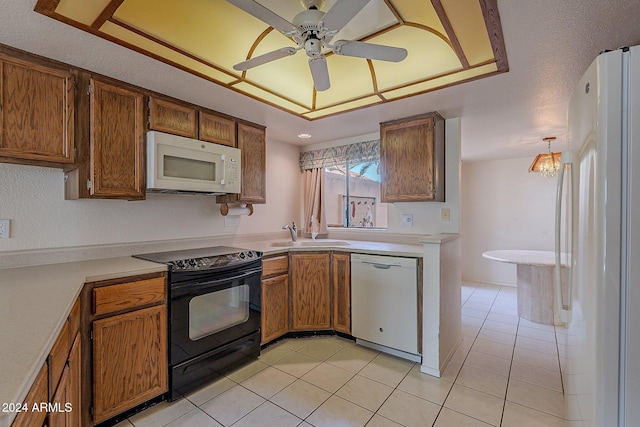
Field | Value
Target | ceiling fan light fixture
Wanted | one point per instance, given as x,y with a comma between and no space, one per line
313,31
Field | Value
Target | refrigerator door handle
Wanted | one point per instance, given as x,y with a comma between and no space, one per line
564,310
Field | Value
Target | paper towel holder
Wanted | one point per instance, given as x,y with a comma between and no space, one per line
247,209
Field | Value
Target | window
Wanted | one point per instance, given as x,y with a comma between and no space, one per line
342,187
353,196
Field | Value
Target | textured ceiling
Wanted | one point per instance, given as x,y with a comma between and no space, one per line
549,44
446,44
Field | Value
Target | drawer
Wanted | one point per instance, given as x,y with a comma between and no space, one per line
126,296
275,266
37,393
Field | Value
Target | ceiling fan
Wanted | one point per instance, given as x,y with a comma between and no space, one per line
313,30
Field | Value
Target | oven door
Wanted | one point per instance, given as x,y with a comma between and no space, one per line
208,313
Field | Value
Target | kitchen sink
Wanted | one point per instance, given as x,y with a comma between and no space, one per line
312,243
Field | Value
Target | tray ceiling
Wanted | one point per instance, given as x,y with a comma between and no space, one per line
447,44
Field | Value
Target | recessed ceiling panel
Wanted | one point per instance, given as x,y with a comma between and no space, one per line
470,29
423,48
82,11
169,55
446,44
343,85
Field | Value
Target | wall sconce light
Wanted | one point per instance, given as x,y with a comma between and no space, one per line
546,163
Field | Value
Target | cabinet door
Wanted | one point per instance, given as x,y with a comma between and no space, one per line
129,360
117,138
170,117
251,140
217,129
412,159
37,393
74,385
58,418
275,307
36,112
310,292
341,292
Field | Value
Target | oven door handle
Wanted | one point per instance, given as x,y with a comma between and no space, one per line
191,287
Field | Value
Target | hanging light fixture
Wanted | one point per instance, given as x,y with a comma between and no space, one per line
546,163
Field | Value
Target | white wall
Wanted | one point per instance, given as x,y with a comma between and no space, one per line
503,207
33,198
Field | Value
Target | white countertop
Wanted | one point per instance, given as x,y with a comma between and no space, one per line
34,304
36,300
271,247
525,257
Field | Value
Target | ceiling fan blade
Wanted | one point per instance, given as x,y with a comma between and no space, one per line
264,14
369,51
342,12
263,59
320,73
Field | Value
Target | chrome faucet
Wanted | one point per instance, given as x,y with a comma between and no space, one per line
293,230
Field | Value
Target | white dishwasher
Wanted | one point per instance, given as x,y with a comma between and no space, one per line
384,303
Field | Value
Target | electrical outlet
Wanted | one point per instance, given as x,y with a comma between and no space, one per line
231,220
445,214
407,220
4,228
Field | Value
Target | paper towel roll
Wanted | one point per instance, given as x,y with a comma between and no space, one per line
225,210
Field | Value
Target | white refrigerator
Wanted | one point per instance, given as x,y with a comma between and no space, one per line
598,225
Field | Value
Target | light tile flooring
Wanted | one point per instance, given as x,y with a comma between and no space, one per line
506,372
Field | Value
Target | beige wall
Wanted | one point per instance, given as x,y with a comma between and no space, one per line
503,207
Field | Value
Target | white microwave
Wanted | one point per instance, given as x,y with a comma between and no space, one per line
176,164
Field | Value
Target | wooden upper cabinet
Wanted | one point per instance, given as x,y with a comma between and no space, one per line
170,117
217,129
251,141
117,142
36,112
412,159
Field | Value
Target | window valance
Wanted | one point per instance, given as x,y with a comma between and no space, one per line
368,151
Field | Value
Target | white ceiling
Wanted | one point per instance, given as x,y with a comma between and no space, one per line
549,43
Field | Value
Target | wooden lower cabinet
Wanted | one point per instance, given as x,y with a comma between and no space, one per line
58,384
341,282
37,393
310,291
129,360
275,307
275,297
67,398
129,364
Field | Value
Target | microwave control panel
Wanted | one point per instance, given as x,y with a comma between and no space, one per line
232,175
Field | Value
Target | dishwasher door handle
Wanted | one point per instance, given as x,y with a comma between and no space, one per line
381,266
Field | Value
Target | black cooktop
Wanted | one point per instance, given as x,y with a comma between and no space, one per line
199,259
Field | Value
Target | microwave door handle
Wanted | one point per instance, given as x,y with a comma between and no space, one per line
224,169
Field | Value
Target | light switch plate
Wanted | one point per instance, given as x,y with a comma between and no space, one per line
445,214
4,228
407,220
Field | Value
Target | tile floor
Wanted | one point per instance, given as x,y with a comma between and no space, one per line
506,372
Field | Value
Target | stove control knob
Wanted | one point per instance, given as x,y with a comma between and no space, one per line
242,255
192,262
180,264
250,254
